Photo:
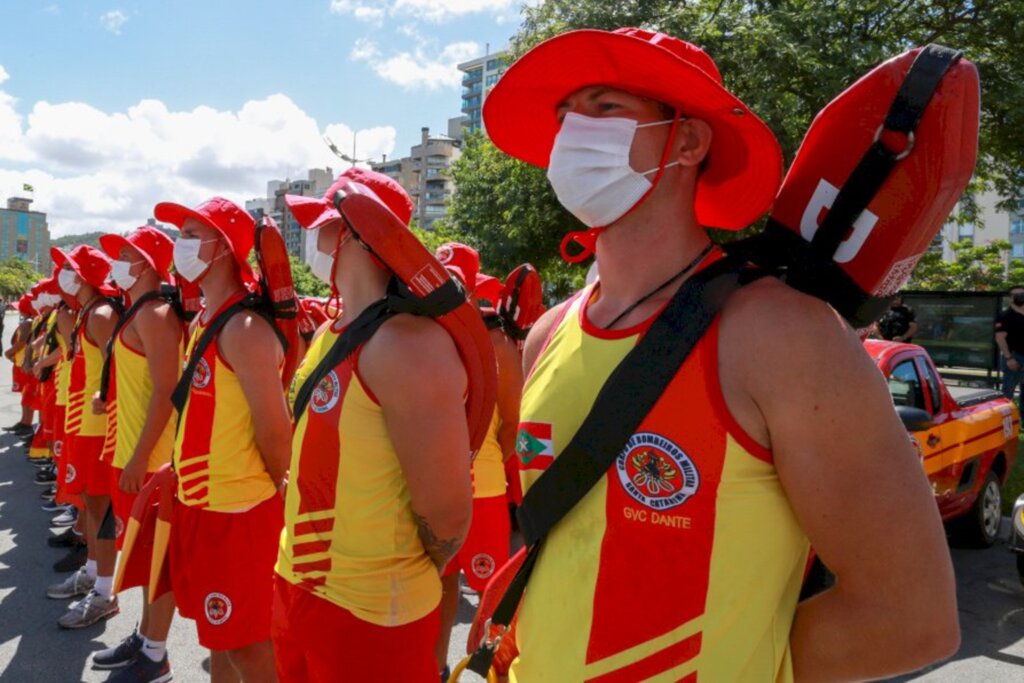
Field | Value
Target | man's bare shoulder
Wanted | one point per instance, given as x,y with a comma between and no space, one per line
248,338
539,333
408,339
411,354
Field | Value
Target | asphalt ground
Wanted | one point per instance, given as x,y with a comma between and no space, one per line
33,649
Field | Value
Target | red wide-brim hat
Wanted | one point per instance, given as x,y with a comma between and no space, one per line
154,246
224,216
88,262
743,170
312,213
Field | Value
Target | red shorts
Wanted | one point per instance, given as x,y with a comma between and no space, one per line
60,454
48,409
29,391
487,544
122,502
315,641
85,473
18,379
222,571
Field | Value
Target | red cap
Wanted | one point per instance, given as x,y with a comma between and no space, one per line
89,263
154,246
463,258
488,287
224,216
312,213
743,170
25,306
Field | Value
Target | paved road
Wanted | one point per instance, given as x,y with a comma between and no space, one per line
33,649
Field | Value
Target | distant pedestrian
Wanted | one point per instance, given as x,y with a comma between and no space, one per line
899,324
1010,340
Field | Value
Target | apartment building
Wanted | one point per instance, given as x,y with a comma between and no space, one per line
25,234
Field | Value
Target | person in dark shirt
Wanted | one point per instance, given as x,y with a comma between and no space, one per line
1010,340
899,323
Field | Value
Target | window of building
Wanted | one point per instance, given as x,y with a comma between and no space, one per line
493,64
905,386
1016,225
492,79
1018,250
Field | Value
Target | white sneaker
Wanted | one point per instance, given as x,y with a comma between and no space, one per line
74,586
91,609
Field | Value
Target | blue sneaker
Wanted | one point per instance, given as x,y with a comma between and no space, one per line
142,669
120,655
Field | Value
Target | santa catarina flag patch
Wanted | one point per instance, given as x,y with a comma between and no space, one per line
534,445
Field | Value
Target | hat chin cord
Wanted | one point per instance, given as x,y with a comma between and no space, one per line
587,239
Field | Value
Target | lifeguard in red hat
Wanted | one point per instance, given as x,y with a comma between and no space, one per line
379,497
231,448
82,277
685,561
44,354
487,544
144,366
21,380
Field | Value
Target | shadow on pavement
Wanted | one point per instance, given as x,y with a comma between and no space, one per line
32,646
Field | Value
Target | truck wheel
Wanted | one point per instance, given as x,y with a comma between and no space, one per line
979,528
1020,567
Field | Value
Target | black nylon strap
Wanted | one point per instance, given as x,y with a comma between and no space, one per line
108,359
916,91
83,315
181,390
356,334
49,346
508,314
642,376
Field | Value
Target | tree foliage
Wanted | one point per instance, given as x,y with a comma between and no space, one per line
786,59
973,269
305,282
16,277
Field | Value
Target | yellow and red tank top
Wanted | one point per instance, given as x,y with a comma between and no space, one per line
62,370
489,464
19,355
685,562
132,385
349,534
48,328
215,456
84,382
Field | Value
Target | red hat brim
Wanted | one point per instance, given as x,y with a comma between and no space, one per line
113,244
743,170
176,214
311,213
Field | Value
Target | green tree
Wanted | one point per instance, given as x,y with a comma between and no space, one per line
973,269
16,277
786,59
305,282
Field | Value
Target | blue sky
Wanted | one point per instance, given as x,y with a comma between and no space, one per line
107,107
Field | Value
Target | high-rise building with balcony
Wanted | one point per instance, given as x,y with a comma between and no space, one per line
25,234
315,185
478,77
425,175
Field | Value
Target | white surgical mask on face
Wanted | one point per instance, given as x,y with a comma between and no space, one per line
589,168
121,275
69,282
186,257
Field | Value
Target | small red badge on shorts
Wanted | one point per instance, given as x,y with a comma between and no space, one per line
69,475
218,608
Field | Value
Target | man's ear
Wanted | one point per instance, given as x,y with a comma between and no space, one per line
693,140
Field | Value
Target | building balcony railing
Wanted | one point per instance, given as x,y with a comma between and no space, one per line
473,77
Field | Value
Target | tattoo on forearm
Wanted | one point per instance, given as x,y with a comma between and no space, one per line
440,550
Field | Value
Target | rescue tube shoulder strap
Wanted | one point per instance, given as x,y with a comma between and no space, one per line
643,375
49,346
399,299
809,266
108,357
83,315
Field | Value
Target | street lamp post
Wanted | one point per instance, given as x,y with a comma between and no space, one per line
344,157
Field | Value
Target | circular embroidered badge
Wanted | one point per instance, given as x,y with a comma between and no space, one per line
482,565
656,472
326,394
58,447
201,377
118,527
218,608
444,254
69,475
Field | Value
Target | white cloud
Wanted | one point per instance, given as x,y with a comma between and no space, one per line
420,68
113,21
3,74
436,11
96,170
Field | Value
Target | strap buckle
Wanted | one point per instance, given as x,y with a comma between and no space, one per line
897,156
492,644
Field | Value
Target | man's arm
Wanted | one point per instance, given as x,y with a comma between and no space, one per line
425,414
99,327
538,336
252,348
510,391
855,485
159,332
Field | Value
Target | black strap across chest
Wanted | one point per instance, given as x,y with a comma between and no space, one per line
83,315
399,299
642,376
108,358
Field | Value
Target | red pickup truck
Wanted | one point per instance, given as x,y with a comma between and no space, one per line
966,438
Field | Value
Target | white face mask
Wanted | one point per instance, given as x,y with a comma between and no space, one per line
121,275
589,168
69,282
319,262
186,257
50,299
